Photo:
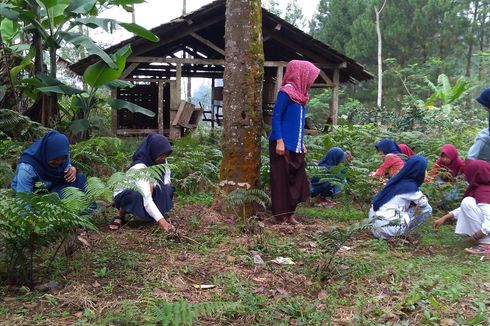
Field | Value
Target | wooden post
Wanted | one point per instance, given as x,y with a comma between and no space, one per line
174,132
160,106
279,76
212,104
114,113
335,97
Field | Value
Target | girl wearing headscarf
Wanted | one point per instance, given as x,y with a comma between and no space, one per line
152,201
47,161
406,150
334,157
449,165
392,161
473,216
480,150
393,208
288,180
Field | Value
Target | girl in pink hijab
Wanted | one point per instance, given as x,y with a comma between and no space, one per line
449,165
288,180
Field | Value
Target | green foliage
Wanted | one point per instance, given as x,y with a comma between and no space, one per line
19,127
181,312
444,93
240,200
102,155
29,222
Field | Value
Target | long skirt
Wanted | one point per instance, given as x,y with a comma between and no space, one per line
79,183
470,217
131,201
288,180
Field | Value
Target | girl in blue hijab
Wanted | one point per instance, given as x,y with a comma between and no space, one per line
152,201
47,161
392,160
334,157
392,211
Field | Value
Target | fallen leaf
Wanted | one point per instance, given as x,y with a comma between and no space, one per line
312,244
322,295
204,286
78,314
9,299
159,292
259,279
83,240
96,284
448,322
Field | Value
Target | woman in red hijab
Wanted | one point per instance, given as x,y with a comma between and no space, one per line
449,165
406,150
473,216
288,180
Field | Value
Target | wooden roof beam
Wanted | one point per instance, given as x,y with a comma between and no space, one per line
208,43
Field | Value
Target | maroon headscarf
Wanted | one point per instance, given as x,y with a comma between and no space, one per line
406,150
478,176
299,77
456,165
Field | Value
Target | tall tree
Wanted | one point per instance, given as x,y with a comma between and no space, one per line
294,14
380,53
242,95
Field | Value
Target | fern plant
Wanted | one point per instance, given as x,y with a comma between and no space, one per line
240,200
184,313
331,241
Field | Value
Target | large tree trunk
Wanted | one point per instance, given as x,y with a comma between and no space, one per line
242,95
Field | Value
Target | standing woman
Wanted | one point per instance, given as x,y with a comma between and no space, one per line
47,161
152,201
289,183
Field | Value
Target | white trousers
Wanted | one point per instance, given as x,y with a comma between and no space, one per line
470,217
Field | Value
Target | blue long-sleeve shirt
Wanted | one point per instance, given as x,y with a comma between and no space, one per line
26,177
288,123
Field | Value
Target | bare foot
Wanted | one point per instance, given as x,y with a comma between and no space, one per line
291,220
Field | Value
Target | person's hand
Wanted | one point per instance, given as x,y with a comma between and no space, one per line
71,174
437,223
372,174
305,150
165,226
280,150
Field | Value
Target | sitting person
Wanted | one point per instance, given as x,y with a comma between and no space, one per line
153,200
473,216
449,165
322,189
480,150
393,210
47,161
445,171
392,162
406,150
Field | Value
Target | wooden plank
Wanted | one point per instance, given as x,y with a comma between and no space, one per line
335,97
114,113
327,80
129,70
127,132
161,85
208,43
220,62
175,120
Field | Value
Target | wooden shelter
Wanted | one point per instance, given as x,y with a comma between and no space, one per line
193,46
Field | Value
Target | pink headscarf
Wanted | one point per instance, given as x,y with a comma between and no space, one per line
406,150
478,177
299,77
456,165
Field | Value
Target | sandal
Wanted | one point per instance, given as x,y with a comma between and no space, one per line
482,249
116,223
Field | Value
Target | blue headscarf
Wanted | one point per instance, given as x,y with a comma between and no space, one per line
152,146
51,146
388,146
484,99
334,157
408,180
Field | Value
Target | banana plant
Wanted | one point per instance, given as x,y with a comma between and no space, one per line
97,76
445,94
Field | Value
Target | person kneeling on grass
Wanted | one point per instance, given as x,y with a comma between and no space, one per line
333,158
152,201
392,159
473,216
393,209
47,161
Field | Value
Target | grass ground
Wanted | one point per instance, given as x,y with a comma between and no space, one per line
127,277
